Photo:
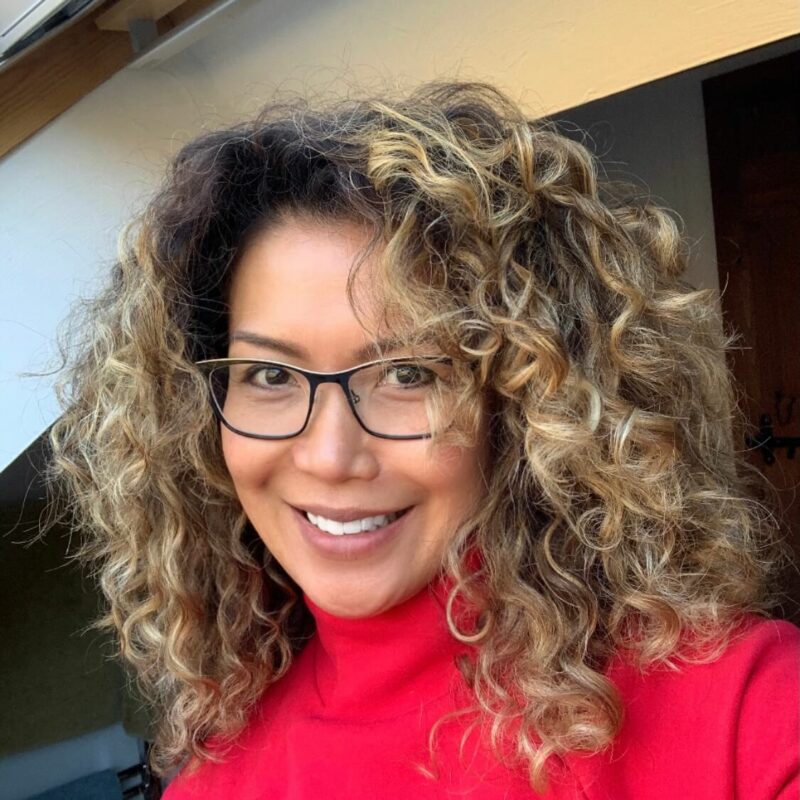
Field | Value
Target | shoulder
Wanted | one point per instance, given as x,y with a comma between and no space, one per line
250,765
727,728
762,651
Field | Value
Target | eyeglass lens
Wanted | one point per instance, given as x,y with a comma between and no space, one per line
390,398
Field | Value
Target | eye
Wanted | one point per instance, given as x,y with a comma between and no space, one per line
408,375
267,376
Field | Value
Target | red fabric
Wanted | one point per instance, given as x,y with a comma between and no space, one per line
350,721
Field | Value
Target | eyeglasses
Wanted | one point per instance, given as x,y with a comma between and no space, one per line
391,398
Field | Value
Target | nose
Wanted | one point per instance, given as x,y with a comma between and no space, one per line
334,447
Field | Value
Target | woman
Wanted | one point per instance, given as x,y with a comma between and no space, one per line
511,554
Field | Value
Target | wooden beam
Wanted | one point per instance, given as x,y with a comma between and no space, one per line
186,10
118,17
42,84
45,83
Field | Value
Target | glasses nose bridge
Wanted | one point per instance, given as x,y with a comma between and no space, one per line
340,378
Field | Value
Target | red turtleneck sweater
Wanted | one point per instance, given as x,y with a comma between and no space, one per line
350,721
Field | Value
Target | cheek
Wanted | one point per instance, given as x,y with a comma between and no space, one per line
453,475
246,460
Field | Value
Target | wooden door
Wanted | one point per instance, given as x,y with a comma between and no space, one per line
753,127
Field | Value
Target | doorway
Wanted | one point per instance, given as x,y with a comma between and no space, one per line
753,132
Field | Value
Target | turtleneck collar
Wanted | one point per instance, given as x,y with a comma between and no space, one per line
392,663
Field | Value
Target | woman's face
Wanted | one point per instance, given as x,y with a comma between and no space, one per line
289,289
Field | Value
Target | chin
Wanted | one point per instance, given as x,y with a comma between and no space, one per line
352,603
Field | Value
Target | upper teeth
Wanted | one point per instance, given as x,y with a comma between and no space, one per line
355,526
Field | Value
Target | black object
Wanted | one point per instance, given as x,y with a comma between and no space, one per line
766,441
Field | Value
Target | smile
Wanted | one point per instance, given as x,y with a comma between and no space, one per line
363,525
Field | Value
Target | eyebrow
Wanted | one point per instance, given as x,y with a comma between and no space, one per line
369,351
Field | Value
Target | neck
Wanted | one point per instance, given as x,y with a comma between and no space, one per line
388,663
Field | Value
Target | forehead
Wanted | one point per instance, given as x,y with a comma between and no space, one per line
296,250
291,282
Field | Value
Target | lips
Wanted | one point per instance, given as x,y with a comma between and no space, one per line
362,544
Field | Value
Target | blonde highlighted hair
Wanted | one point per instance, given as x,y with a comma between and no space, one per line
618,514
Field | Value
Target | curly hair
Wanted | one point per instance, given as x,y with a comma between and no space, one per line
618,516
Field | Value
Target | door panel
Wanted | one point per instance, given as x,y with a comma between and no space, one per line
753,127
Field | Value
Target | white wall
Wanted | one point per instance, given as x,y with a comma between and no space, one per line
655,137
64,196
551,53
66,192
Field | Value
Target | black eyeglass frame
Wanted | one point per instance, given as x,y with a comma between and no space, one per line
315,379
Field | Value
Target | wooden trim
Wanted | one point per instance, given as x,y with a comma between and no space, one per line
120,14
55,75
45,83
